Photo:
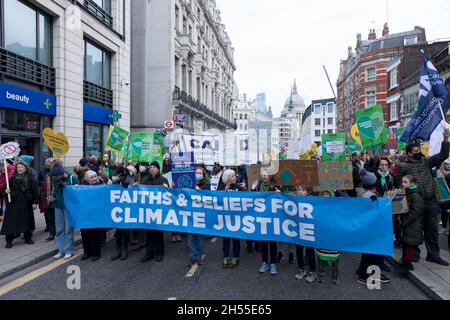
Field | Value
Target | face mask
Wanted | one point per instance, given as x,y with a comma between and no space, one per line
417,156
142,168
115,178
199,176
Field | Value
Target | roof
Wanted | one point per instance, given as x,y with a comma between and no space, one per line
397,39
307,114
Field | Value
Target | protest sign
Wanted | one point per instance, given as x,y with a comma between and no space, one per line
297,173
267,216
442,190
57,142
371,128
333,147
353,146
183,169
147,147
205,147
253,174
392,138
401,145
117,138
334,176
354,132
398,201
8,150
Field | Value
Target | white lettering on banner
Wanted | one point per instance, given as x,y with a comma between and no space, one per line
16,97
114,216
199,220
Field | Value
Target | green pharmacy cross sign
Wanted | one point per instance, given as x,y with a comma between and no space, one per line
47,104
116,116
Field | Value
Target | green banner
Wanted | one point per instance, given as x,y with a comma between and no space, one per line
147,147
117,138
400,144
333,147
371,127
353,146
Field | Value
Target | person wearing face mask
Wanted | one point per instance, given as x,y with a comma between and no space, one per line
142,171
421,168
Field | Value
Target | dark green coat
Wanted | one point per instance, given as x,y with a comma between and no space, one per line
412,223
422,171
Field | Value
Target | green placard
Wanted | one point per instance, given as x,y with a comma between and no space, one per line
400,144
371,127
147,147
117,138
442,190
353,146
333,147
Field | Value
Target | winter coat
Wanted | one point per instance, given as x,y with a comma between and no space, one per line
389,185
58,189
422,171
412,223
356,178
11,169
203,185
19,215
45,191
233,187
159,180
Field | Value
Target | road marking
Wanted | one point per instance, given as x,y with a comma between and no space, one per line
214,239
35,274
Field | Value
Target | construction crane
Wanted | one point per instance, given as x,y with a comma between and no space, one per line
329,81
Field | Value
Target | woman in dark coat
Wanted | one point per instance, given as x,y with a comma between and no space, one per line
19,215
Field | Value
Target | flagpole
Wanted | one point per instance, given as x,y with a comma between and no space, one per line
442,112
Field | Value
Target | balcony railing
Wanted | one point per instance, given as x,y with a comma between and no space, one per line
28,70
97,94
180,95
98,12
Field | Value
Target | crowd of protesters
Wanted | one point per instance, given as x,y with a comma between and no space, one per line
373,177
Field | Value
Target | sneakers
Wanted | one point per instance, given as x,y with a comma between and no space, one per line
264,267
58,256
191,263
311,277
362,281
51,238
200,261
273,269
300,275
384,279
68,256
174,239
178,238
226,263
439,261
234,263
336,281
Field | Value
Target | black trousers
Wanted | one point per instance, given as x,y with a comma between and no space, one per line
310,255
49,215
236,247
265,246
122,238
91,239
444,215
10,237
154,242
397,227
368,260
430,228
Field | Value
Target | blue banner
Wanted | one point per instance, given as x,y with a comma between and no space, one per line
434,100
18,98
183,170
317,222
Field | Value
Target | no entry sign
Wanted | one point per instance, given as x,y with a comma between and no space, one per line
9,150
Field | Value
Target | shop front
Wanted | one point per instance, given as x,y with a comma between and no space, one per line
24,113
96,124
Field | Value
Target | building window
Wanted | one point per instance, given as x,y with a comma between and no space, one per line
393,78
317,133
317,108
394,113
104,4
94,139
330,121
371,97
245,117
330,131
410,41
317,122
35,43
371,74
177,18
97,65
330,107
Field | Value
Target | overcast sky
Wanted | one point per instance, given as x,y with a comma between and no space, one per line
277,41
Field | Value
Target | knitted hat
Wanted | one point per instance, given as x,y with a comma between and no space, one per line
227,174
368,179
26,159
83,162
156,164
56,171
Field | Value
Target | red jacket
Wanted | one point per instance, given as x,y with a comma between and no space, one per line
11,169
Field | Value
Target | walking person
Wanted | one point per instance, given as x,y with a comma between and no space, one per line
421,169
92,238
46,207
19,214
154,239
232,261
65,237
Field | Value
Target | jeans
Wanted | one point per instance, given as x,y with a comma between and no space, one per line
430,228
65,238
310,255
334,268
196,246
265,245
236,247
50,221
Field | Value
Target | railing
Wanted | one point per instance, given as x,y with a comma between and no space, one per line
21,68
98,94
180,95
98,12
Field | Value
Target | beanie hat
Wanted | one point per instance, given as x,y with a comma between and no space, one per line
26,159
368,179
83,162
156,164
227,174
56,171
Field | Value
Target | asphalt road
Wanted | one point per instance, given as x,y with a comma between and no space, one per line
131,279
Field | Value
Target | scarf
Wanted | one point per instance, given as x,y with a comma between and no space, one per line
22,181
265,186
383,178
414,187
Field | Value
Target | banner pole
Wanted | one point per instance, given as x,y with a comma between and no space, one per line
7,179
442,112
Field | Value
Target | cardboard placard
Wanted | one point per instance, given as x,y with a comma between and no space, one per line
253,174
296,173
442,190
334,176
398,201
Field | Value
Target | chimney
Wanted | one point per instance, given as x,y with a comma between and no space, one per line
385,30
372,35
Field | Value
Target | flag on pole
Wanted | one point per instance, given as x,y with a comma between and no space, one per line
434,103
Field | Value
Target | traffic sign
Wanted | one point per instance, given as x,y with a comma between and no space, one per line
9,150
169,125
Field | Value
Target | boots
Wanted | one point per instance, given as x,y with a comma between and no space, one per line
124,254
117,255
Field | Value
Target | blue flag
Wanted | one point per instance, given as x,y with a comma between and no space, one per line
433,95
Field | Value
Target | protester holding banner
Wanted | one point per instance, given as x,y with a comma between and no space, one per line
47,208
230,184
82,168
267,184
65,238
154,238
216,177
421,168
19,215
